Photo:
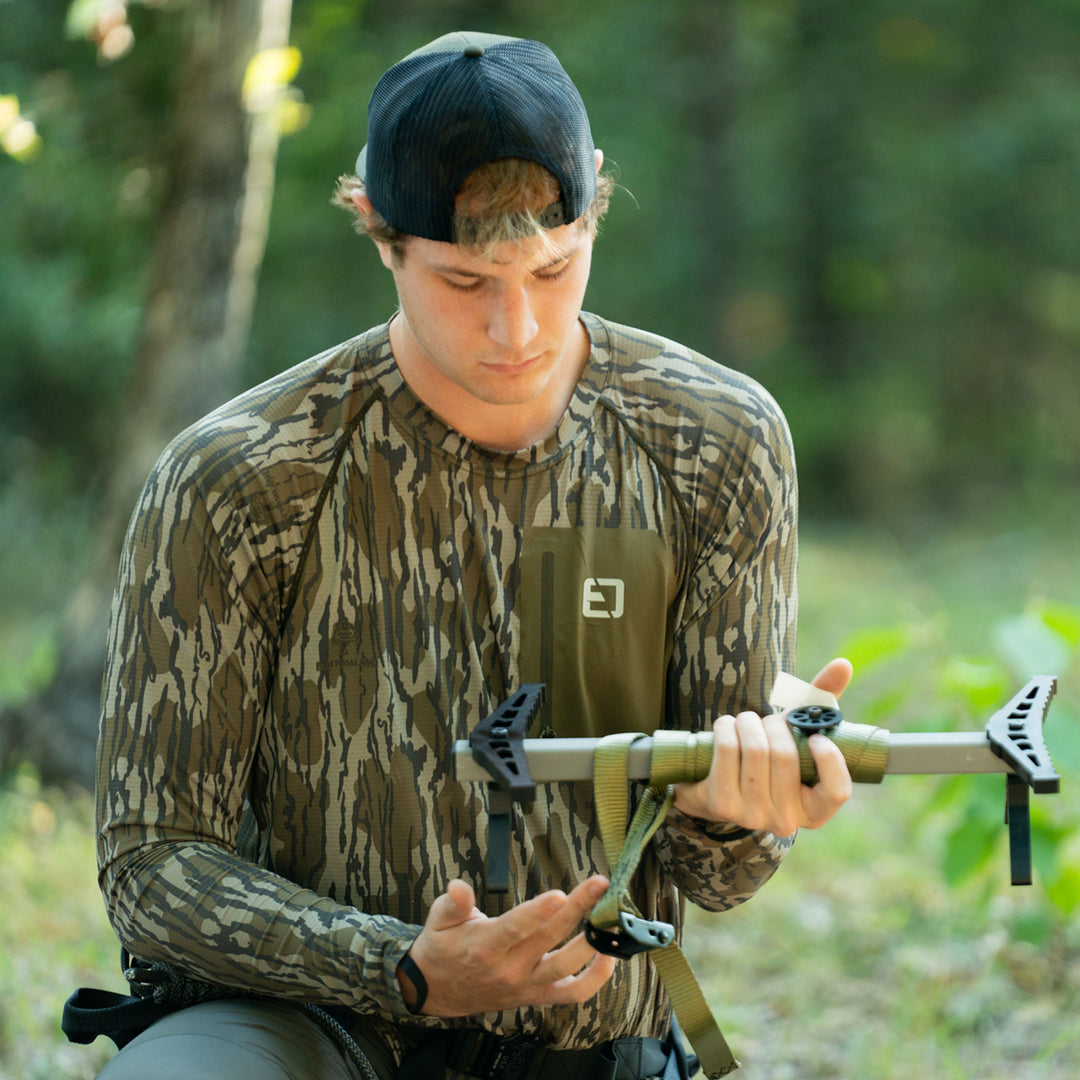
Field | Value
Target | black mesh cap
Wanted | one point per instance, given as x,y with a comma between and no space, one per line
459,102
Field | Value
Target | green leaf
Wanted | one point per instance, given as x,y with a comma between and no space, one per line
1030,647
28,662
978,683
1033,926
1046,841
875,643
1064,890
1063,619
969,848
1062,736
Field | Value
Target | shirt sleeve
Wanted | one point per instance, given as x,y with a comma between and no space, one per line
191,652
738,632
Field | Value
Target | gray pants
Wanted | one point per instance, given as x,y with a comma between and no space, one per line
241,1040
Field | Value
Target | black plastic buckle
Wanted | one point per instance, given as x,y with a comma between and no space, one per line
634,935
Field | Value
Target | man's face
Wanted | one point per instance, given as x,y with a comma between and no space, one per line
477,332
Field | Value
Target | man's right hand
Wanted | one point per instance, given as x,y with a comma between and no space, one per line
475,963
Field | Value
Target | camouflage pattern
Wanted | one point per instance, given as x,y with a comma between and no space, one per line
323,587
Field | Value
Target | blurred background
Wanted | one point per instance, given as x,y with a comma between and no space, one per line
873,208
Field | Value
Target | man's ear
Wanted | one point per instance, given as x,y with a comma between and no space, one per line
361,202
365,209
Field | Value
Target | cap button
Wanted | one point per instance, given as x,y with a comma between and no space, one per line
474,50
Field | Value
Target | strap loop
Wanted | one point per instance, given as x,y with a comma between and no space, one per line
616,908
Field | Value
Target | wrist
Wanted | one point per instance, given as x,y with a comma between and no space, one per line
413,985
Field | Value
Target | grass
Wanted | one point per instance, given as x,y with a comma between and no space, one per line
859,961
54,935
869,956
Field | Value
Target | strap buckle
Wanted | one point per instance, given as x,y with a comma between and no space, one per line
634,935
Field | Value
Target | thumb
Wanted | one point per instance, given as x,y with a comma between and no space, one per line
455,906
834,676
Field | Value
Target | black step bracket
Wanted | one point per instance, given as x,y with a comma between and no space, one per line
1018,819
1015,733
498,745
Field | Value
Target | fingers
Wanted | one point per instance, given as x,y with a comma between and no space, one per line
548,919
786,793
473,963
755,770
769,782
575,971
754,781
754,778
726,769
834,786
582,982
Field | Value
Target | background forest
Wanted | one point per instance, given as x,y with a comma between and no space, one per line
872,207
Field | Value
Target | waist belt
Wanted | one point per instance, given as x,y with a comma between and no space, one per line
491,1057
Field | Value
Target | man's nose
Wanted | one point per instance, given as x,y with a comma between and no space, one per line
511,319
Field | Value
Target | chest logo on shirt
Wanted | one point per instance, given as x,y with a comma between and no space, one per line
603,598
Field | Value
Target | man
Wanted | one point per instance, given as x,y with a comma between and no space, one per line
332,578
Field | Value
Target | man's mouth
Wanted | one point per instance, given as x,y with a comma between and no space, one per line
514,367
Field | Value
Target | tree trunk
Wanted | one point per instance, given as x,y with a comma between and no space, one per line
202,282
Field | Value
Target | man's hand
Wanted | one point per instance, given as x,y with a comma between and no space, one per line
754,781
474,963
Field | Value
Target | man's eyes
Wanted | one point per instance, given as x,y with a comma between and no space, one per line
553,274
465,286
468,285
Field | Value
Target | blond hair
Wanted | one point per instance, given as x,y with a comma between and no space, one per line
500,202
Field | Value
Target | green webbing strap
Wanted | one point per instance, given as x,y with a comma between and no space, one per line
611,791
624,851
652,810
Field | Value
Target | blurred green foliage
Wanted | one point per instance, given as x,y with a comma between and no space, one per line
959,692
872,208
54,935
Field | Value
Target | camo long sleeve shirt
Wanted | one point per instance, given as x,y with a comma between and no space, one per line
323,587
